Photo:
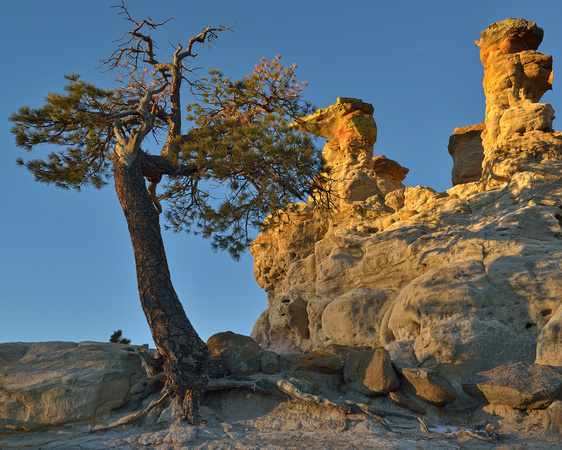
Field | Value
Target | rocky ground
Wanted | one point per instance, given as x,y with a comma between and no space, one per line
251,422
291,425
94,396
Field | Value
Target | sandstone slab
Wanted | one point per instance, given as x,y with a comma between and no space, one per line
516,385
465,147
51,383
427,384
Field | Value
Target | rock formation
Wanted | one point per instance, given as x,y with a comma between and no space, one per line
465,147
54,383
518,134
398,299
460,281
517,385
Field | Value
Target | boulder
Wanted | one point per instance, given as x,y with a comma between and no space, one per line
348,319
465,147
384,165
370,372
549,344
517,385
238,353
553,421
427,384
52,383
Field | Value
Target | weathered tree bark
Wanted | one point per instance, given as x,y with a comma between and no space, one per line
184,353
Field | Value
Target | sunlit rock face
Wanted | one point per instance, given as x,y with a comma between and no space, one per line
460,281
518,133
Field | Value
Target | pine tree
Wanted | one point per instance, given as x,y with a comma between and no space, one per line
242,145
117,338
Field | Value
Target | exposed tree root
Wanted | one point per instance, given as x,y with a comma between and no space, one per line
263,386
460,432
154,378
424,426
287,390
135,416
346,407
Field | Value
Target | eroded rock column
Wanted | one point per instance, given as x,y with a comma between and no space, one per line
352,133
515,78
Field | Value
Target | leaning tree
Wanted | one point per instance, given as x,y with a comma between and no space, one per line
240,163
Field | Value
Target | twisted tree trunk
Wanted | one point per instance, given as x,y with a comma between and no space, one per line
184,353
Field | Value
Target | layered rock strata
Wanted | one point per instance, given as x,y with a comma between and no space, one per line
460,281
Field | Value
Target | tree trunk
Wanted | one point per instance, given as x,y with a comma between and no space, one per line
184,353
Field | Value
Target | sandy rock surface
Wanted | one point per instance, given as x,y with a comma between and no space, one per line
54,383
458,282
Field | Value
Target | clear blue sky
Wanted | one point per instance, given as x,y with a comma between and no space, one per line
66,263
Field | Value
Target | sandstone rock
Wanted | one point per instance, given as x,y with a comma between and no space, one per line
288,317
426,384
304,383
553,422
511,35
516,385
289,248
50,383
465,147
343,117
525,117
549,344
395,199
270,363
515,78
474,277
383,165
316,361
350,319
238,353
355,174
458,281
402,352
459,328
370,372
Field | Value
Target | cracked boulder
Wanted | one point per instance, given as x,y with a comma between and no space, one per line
53,383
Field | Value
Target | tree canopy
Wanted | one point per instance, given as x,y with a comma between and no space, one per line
240,161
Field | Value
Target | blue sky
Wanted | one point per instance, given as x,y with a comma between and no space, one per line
66,263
